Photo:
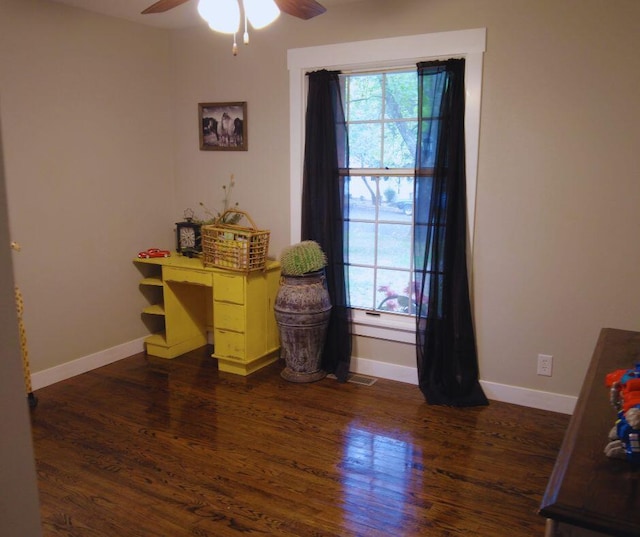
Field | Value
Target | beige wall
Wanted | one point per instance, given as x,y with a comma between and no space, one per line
556,255
85,102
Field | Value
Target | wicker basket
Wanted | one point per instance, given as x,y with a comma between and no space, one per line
234,247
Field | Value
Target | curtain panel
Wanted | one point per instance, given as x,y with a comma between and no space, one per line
324,208
446,350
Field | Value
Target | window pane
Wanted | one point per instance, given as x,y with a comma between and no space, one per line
394,292
388,189
394,246
365,145
364,97
361,287
397,198
434,263
432,94
401,96
424,186
362,198
428,146
400,144
362,236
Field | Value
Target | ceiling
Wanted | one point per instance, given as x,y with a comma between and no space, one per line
184,16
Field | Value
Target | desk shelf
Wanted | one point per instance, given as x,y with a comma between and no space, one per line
151,287
157,282
154,309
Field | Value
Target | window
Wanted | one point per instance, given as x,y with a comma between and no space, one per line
381,114
400,53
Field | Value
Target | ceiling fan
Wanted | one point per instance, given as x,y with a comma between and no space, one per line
302,9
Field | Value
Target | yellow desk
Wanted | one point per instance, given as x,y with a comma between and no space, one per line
187,300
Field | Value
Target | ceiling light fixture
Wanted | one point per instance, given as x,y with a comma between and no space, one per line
224,16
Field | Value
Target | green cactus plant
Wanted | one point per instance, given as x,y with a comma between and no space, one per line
302,258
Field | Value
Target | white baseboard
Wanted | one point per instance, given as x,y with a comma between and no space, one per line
497,392
384,370
67,370
554,402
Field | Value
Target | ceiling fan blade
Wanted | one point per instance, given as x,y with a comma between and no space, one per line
303,9
163,5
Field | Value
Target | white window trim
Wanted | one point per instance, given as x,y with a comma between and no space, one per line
386,53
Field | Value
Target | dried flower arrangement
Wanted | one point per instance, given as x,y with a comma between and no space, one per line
218,217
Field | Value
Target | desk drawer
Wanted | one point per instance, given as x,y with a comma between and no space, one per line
196,277
230,344
229,316
228,287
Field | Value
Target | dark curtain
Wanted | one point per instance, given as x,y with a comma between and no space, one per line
323,207
446,349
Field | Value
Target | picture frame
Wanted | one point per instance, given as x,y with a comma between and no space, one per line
223,126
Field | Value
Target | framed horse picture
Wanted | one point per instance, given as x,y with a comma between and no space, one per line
223,126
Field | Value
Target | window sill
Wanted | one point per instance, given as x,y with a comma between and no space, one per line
387,326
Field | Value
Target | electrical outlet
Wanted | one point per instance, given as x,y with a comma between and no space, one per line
545,365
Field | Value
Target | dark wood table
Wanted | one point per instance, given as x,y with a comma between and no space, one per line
589,493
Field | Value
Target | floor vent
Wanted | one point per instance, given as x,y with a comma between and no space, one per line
361,380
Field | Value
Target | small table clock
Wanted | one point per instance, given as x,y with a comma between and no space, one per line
188,237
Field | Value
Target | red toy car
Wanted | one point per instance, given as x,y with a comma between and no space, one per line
154,252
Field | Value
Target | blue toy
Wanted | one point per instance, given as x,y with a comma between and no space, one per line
625,397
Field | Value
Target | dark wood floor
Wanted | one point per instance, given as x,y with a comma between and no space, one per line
150,447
